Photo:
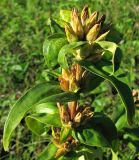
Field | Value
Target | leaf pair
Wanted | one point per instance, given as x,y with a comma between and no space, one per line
42,93
121,87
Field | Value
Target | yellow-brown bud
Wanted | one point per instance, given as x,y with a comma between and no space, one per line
72,107
64,115
84,15
77,71
102,36
60,152
93,33
101,19
76,24
71,36
91,21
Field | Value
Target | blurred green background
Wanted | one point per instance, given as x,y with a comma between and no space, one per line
23,28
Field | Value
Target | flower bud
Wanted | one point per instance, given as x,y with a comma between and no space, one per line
84,15
77,71
73,87
71,36
64,115
102,19
78,118
60,152
102,36
76,24
72,107
65,74
91,21
93,33
64,84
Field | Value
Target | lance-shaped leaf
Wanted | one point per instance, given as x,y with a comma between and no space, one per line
65,15
91,137
36,126
46,92
111,52
51,48
40,123
68,49
121,87
61,97
48,153
49,108
48,119
26,102
100,132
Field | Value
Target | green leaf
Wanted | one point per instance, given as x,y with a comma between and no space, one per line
60,22
114,155
107,128
47,119
65,132
132,134
25,103
100,132
48,153
35,126
61,97
65,15
91,137
48,107
122,88
54,27
51,48
111,52
67,49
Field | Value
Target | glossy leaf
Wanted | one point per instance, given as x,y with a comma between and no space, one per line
48,153
92,137
54,27
51,48
48,107
107,127
35,126
67,49
25,103
60,22
110,52
65,132
100,131
61,97
65,15
122,88
47,119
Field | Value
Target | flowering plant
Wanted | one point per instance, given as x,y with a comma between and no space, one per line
80,59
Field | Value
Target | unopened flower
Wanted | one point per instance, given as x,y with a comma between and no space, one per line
71,36
69,79
91,21
84,15
93,33
76,24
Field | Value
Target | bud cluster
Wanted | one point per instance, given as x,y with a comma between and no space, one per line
65,147
85,27
75,115
69,80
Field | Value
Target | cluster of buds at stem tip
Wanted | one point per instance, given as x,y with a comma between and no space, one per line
63,148
74,115
69,80
85,27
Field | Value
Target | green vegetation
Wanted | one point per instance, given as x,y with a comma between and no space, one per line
24,26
